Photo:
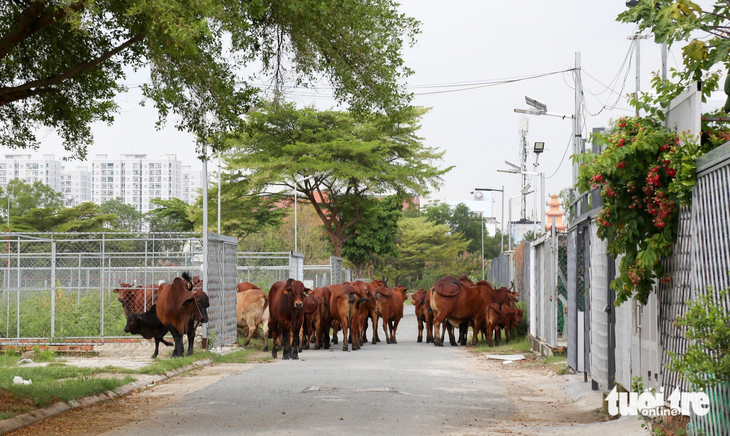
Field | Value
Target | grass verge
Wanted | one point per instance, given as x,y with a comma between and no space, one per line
57,381
517,346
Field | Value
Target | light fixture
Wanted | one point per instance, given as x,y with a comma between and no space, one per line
540,106
539,147
513,165
525,189
478,196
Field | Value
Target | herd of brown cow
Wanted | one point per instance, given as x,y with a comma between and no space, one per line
294,316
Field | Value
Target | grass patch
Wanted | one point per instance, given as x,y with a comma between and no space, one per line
518,346
50,384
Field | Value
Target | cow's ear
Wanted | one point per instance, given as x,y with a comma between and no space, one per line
307,292
288,284
188,301
287,290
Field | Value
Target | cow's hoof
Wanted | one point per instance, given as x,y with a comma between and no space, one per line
285,357
387,341
393,341
295,357
420,340
454,344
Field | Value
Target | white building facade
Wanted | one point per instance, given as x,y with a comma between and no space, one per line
136,179
192,183
31,169
75,184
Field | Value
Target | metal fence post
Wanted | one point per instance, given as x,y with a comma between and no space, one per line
53,289
102,284
18,293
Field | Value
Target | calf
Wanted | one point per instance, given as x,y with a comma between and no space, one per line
424,314
149,326
348,307
136,299
322,334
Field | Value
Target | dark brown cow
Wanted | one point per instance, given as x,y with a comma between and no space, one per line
179,308
286,311
424,314
136,299
148,326
389,304
455,302
245,286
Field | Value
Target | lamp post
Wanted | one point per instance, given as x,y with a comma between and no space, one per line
296,182
479,197
501,246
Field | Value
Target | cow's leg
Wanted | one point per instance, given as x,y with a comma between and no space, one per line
178,351
420,330
251,332
437,321
374,318
274,332
343,324
157,347
335,339
452,339
317,336
394,330
285,344
191,336
385,329
478,323
429,331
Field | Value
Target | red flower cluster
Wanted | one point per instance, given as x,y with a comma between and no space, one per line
621,165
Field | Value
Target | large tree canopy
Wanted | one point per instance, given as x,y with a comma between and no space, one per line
62,62
335,161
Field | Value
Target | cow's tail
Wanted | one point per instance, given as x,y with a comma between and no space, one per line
352,301
186,276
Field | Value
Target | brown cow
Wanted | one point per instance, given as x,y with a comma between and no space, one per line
245,286
424,314
347,306
390,307
311,321
367,291
455,302
178,308
322,335
136,299
252,309
286,310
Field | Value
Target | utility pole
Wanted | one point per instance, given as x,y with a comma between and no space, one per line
577,118
638,39
524,128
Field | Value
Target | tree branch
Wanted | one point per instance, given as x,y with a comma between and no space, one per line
33,20
9,94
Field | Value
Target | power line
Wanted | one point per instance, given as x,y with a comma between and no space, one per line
563,159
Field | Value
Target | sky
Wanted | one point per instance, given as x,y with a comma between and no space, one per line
469,41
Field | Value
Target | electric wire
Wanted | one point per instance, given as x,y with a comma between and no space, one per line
562,159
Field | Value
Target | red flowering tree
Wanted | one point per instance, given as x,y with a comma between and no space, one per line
644,176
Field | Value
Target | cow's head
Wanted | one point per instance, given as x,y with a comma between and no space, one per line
297,292
133,323
201,302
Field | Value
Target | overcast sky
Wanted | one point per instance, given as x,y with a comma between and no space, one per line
470,41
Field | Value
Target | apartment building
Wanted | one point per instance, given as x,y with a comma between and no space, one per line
24,166
192,182
75,184
136,179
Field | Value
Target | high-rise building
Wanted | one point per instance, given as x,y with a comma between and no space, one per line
136,179
75,184
29,169
192,182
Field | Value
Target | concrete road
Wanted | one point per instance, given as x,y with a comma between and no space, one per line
407,388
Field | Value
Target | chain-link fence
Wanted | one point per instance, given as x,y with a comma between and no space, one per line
221,289
264,269
72,287
499,270
316,276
